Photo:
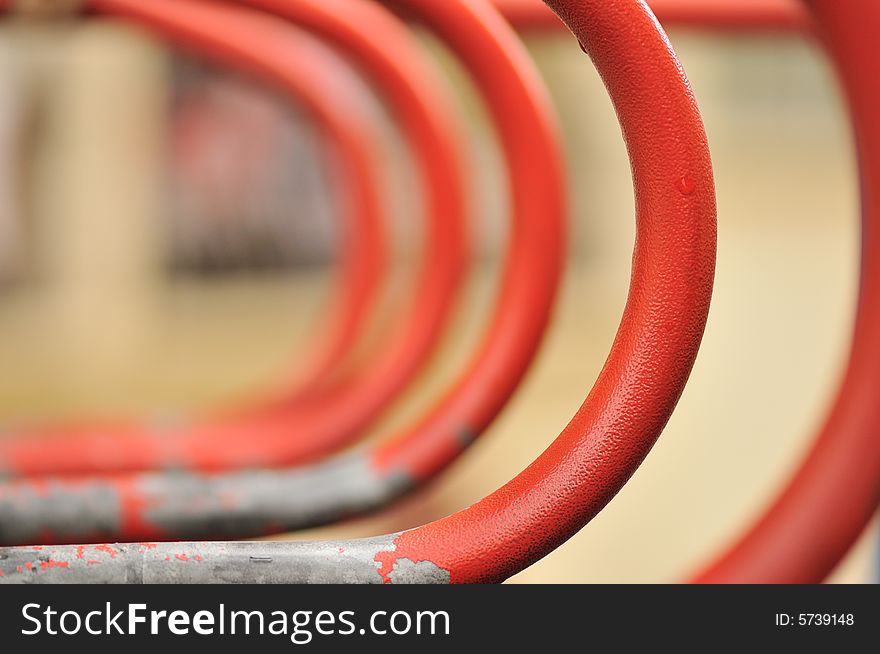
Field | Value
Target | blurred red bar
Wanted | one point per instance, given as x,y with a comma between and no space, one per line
782,15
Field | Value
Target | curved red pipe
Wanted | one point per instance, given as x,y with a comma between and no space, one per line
659,334
832,496
835,492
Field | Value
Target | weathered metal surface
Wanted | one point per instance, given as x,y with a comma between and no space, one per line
183,504
344,562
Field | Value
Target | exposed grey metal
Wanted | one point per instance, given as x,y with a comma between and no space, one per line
195,505
345,562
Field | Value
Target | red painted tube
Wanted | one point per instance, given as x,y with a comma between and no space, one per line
775,15
837,485
647,368
657,341
289,434
831,498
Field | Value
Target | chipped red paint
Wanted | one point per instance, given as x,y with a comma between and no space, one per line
133,506
45,565
181,557
386,561
81,551
107,549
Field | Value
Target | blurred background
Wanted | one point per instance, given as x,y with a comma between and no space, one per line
168,231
